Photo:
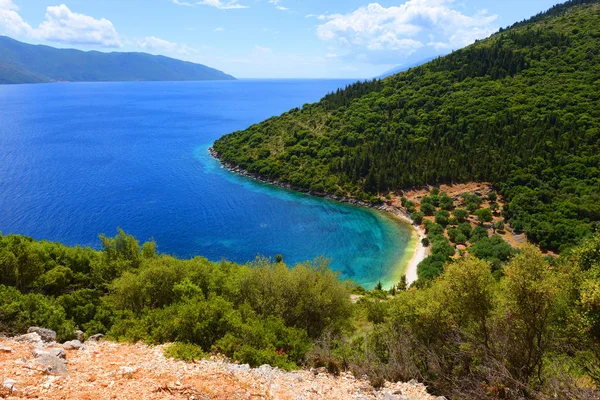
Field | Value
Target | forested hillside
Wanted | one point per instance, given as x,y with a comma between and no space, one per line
26,63
519,109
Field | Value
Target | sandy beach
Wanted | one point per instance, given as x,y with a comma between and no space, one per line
419,252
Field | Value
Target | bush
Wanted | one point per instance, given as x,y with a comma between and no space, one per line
427,208
493,249
477,234
442,217
484,215
184,351
417,217
461,215
446,202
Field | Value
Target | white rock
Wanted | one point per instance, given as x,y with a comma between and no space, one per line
9,384
127,371
29,338
72,345
47,335
5,349
54,352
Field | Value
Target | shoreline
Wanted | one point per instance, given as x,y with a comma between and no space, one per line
419,253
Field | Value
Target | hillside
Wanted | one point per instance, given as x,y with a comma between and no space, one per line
25,63
519,109
105,370
529,332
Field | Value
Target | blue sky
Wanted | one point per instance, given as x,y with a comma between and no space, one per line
268,38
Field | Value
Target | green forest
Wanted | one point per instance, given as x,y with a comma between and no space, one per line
519,109
527,328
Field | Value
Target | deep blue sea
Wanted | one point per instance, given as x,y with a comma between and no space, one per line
79,159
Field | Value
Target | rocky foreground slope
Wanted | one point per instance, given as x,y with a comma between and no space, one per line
31,367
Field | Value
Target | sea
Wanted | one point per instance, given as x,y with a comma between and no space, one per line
82,159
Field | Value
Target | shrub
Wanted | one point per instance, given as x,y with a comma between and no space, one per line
184,351
442,217
417,217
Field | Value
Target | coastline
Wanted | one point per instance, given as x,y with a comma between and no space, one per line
419,252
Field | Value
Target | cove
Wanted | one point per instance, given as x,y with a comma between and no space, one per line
83,159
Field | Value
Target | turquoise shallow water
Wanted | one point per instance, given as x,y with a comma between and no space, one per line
83,159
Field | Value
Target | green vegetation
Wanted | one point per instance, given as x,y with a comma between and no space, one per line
528,327
258,313
184,351
519,109
528,332
25,63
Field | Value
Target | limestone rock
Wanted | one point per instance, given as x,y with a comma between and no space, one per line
72,345
47,335
5,349
127,372
30,338
80,336
54,352
52,365
9,384
390,396
96,338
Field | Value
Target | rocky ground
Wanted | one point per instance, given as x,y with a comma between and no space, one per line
33,366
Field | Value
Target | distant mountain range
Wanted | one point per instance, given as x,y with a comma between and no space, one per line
405,67
26,63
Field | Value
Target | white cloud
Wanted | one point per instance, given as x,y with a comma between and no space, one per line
219,29
384,35
277,5
154,44
220,4
321,17
261,49
60,26
11,22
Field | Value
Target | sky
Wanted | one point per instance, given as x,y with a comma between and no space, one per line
268,38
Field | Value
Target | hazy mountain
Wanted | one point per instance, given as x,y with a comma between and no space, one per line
26,63
405,67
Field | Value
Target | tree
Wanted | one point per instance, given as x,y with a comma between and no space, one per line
477,234
446,202
441,217
460,214
427,208
529,293
484,215
417,217
467,288
403,284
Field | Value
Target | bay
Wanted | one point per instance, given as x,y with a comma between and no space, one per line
79,159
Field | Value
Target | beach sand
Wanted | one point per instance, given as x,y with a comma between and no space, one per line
416,251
